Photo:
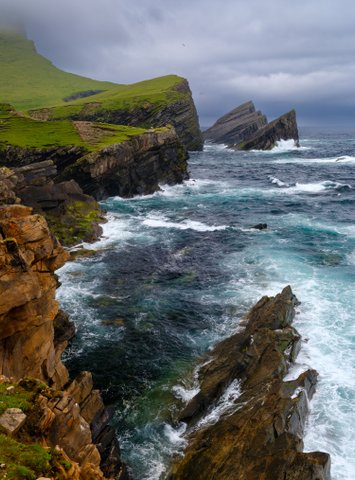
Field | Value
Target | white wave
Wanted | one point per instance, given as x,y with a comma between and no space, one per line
161,222
225,404
283,146
340,160
175,435
278,182
318,187
185,394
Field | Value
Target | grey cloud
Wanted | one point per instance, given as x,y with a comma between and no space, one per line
282,53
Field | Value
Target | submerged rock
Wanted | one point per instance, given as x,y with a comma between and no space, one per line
255,432
260,226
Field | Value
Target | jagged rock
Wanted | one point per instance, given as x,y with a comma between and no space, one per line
133,167
259,435
29,255
237,125
12,420
283,128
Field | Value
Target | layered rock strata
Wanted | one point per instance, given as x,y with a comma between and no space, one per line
33,335
258,435
133,167
237,125
283,128
246,129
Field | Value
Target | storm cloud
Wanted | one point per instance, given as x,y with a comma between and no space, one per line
281,54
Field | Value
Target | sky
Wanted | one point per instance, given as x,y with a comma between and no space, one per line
281,54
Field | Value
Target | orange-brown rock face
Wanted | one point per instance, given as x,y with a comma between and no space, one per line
33,335
29,255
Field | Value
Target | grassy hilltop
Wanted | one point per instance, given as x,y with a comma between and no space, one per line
30,81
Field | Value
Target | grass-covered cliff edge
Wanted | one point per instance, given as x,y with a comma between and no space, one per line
32,84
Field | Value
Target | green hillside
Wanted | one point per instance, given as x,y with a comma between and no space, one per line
155,93
29,80
19,131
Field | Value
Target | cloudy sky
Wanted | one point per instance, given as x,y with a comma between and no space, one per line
279,53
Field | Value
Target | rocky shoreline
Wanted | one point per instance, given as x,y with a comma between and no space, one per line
259,434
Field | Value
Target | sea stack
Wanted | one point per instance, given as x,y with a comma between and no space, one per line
283,128
244,128
237,125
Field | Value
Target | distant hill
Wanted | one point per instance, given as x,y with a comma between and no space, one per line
29,80
35,87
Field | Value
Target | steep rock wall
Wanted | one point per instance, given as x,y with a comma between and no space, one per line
133,167
33,335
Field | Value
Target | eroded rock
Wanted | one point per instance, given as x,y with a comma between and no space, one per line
258,433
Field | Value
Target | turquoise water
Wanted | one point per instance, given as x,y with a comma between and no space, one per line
177,270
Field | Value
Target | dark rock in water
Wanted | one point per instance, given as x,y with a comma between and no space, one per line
283,128
257,432
260,226
236,126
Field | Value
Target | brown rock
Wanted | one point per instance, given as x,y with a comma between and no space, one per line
12,420
259,434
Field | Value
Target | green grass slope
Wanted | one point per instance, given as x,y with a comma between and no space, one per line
20,131
156,92
28,80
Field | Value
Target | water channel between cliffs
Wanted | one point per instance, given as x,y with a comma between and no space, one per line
175,271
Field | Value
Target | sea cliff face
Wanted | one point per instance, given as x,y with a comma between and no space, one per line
33,335
133,167
259,433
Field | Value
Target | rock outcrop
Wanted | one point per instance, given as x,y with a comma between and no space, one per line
236,126
246,129
283,128
112,160
257,433
33,335
133,167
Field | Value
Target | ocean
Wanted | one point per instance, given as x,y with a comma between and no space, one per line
175,272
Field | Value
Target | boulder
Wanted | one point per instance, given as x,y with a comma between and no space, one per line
12,420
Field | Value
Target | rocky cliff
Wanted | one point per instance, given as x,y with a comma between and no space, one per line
255,432
283,128
133,167
236,126
33,334
103,159
246,129
147,106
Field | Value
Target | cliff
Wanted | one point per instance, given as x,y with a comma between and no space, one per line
257,431
283,128
149,104
133,167
236,126
104,159
68,421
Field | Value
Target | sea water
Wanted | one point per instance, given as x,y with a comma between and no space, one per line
176,271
